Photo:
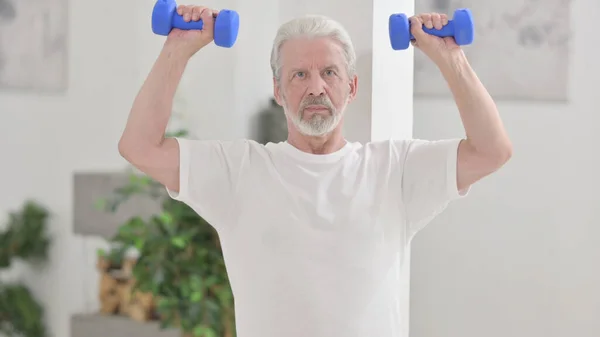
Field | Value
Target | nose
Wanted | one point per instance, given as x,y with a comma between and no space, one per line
316,86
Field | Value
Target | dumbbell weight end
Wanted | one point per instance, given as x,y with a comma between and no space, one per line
165,18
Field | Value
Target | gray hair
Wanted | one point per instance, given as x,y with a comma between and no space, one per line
313,26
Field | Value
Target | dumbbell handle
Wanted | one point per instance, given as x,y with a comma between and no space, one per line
179,23
446,31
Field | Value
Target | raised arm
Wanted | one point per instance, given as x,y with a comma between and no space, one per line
143,141
487,146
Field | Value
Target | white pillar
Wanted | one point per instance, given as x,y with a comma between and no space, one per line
383,108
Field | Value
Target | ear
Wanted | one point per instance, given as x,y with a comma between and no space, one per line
276,91
353,88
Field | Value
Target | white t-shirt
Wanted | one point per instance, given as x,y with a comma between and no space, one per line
318,245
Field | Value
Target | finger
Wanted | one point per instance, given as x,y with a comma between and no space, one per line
207,18
426,19
215,13
196,11
186,12
416,27
436,20
444,19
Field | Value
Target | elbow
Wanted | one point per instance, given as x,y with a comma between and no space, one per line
505,153
122,147
491,158
500,155
125,149
135,151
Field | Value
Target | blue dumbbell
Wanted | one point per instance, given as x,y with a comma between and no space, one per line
165,18
461,27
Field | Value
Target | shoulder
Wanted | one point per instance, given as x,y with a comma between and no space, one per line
389,148
241,144
400,149
234,150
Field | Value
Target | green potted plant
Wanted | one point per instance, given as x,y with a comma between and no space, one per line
24,238
180,262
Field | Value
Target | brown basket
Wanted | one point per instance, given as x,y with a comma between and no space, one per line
116,295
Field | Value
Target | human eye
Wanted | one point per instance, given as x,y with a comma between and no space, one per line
329,72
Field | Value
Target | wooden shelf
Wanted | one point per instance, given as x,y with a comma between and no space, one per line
97,325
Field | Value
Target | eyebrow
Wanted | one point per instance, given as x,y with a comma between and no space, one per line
332,66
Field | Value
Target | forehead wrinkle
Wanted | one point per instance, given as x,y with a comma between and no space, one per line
306,57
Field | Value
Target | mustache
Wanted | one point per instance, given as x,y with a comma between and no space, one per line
316,100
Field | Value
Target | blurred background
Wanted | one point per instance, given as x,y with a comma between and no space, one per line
80,229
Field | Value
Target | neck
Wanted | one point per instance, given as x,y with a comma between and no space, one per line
325,144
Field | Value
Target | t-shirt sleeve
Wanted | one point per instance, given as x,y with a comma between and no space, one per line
208,175
429,180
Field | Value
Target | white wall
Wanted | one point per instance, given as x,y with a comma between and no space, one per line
519,256
45,137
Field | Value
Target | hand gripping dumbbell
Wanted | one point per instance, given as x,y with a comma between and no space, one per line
461,27
165,18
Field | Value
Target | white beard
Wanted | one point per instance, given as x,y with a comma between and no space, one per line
317,125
